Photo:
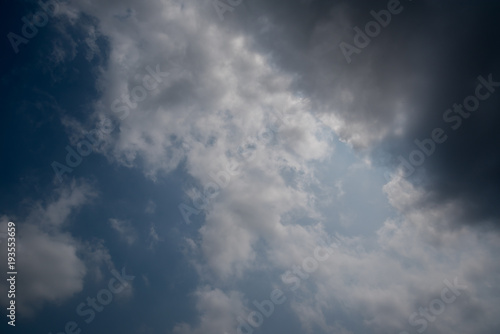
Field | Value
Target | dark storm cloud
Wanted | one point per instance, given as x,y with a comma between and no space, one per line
397,88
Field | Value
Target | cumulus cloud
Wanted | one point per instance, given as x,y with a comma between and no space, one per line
52,263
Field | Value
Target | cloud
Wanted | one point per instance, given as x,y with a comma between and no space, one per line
380,103
218,309
154,238
51,262
51,269
397,89
282,58
124,229
66,200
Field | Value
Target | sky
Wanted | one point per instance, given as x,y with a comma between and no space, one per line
250,166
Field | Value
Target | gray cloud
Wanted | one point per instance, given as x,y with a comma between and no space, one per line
398,87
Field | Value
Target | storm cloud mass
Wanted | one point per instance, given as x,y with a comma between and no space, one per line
250,166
